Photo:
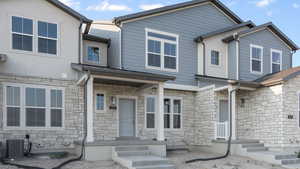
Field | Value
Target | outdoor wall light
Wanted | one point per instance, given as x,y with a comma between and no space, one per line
113,100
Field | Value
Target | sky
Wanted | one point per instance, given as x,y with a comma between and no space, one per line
285,14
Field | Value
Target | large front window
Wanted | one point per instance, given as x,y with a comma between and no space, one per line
47,38
256,59
22,34
162,50
276,57
33,106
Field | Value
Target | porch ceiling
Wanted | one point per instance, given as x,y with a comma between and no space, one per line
118,82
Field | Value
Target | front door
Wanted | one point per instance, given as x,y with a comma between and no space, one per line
223,111
126,117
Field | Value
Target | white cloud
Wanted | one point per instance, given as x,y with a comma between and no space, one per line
295,5
150,6
264,3
71,3
106,6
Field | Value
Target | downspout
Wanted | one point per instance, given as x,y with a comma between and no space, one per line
230,134
79,41
237,40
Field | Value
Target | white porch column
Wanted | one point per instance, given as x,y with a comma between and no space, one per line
232,102
90,110
160,112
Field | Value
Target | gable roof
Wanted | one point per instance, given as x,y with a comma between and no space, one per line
69,10
200,38
217,3
270,26
277,78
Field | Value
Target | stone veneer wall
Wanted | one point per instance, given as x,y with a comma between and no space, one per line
50,139
261,116
291,130
106,122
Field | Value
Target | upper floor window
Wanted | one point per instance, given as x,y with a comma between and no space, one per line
47,38
256,59
276,60
162,50
215,57
22,33
93,54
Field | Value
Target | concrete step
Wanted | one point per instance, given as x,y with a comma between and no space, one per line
252,145
133,153
157,167
137,161
131,148
257,149
290,161
287,156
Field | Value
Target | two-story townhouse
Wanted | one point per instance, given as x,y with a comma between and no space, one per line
176,75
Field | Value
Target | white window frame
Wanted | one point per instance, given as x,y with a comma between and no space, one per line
23,34
87,54
162,53
155,114
271,56
219,60
261,60
13,106
95,101
23,107
171,98
57,108
56,39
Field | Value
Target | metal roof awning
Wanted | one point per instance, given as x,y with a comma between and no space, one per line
121,73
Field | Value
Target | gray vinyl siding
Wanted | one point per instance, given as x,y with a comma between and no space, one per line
187,23
267,40
232,60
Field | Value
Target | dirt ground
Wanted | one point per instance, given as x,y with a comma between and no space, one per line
232,162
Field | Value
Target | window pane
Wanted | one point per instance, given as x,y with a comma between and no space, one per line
56,98
93,54
170,49
167,106
150,104
27,43
150,120
17,24
176,121
35,117
13,116
30,96
43,44
40,97
154,60
167,120
52,46
154,46
27,26
215,57
100,101
52,30
17,41
177,106
256,65
162,36
13,96
56,118
170,62
275,68
275,57
42,29
35,97
256,53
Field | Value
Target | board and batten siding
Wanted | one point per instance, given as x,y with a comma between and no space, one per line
188,24
268,41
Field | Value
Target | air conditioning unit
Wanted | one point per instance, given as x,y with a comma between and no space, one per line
15,149
3,57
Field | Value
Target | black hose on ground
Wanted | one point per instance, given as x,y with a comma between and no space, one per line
228,142
85,134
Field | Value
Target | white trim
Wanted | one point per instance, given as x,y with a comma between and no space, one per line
237,59
23,107
90,109
56,39
95,101
162,54
221,88
261,59
181,87
271,60
135,98
155,113
207,87
82,80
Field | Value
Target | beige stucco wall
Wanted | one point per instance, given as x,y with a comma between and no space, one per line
33,63
106,122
